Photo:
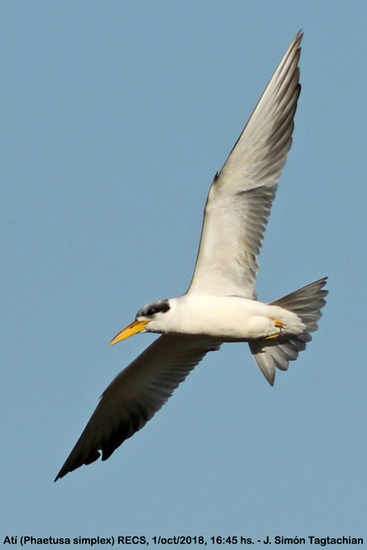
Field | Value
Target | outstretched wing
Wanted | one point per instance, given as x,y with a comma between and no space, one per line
241,195
136,394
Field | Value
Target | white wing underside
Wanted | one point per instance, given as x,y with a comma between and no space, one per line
136,394
240,198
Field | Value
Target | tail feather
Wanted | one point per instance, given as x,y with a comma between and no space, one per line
307,303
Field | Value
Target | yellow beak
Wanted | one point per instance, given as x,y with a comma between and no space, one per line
134,328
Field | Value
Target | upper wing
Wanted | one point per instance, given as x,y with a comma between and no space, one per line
136,394
241,195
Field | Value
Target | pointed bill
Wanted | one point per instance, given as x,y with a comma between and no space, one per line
134,328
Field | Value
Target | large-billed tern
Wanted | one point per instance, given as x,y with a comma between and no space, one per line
221,304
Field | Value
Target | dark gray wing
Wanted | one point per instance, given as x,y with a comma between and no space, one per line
136,394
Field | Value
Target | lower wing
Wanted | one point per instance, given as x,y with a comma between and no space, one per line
136,394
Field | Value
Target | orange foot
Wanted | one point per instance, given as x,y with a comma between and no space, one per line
278,324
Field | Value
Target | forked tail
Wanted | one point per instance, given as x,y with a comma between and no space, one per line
306,303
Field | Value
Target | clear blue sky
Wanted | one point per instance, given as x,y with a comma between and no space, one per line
115,116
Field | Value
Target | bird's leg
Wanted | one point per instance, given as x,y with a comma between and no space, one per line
278,324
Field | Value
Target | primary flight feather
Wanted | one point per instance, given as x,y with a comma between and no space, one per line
221,303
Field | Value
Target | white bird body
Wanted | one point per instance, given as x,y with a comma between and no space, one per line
221,303
226,318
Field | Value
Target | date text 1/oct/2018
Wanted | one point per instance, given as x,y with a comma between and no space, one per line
201,540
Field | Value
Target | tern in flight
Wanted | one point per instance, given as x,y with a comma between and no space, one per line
221,304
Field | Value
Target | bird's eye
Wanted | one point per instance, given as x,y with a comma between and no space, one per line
150,312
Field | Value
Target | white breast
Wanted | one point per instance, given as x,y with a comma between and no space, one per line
228,317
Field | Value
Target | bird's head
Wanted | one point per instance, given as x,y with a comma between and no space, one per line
149,318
